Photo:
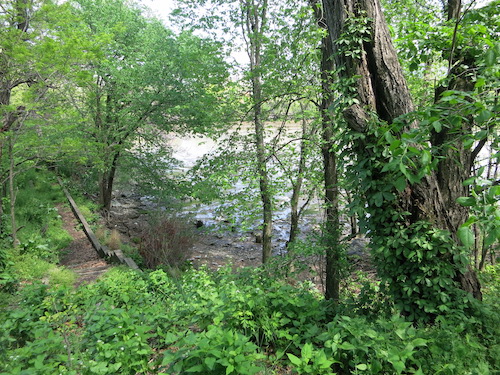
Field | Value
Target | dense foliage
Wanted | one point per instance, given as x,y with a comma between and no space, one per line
225,323
93,90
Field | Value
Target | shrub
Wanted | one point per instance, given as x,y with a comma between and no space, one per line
37,248
167,242
215,351
490,282
101,233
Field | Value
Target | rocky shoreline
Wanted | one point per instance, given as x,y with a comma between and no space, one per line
213,248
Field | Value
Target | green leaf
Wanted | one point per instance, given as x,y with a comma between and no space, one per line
469,181
437,126
419,342
480,82
347,346
426,157
468,143
306,352
294,359
483,116
378,199
466,237
400,184
492,237
493,192
490,57
399,366
210,362
395,144
229,369
466,201
401,333
362,367
376,366
196,368
471,220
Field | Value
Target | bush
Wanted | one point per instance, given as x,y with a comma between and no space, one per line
215,351
166,242
490,282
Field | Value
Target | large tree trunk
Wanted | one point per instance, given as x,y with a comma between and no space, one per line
456,162
331,235
382,89
332,224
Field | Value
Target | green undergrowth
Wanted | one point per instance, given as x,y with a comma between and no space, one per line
36,214
40,234
225,322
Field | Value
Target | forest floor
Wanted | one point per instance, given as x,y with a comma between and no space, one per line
80,256
213,249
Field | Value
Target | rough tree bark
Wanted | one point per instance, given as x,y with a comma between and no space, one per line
457,162
106,185
382,89
332,224
330,172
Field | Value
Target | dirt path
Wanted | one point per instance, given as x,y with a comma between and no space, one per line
80,256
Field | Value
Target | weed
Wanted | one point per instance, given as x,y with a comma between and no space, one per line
31,268
205,322
166,241
114,240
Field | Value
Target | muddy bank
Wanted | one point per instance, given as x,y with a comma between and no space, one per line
215,244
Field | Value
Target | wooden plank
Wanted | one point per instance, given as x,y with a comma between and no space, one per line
103,251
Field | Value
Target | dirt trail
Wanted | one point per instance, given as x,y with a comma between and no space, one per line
80,256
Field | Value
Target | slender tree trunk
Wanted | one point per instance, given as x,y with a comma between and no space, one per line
297,186
265,192
8,81
381,88
255,18
332,225
353,219
12,192
106,184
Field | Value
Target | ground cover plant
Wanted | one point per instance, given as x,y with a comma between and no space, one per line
40,234
206,322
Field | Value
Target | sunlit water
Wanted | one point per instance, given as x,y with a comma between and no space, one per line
189,149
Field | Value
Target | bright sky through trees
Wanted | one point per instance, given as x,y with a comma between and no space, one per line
160,8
